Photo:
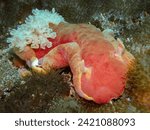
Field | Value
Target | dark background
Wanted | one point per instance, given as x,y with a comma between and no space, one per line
129,19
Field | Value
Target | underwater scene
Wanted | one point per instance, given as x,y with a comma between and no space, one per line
74,56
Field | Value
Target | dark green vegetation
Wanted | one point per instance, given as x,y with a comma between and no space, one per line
130,19
35,94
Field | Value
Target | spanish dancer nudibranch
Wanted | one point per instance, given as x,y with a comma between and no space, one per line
99,63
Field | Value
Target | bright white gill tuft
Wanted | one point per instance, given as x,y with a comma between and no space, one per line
35,30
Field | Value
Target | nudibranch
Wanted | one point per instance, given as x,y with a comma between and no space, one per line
99,63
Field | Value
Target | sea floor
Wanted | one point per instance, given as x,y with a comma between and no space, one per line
130,20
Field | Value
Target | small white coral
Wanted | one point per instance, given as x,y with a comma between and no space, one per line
35,30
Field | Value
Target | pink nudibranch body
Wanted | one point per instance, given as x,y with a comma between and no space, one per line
99,63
